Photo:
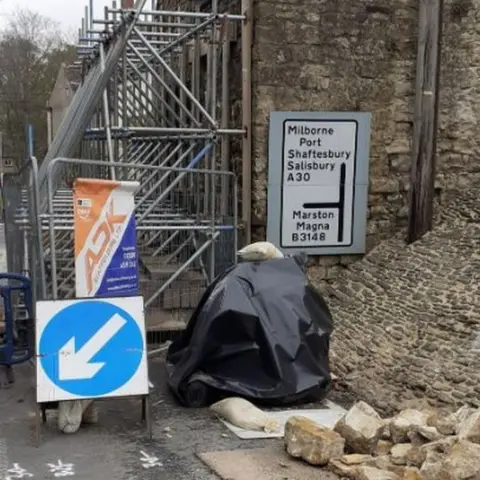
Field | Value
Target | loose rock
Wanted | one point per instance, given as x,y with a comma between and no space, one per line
412,474
470,428
404,422
463,462
355,459
383,448
416,456
461,415
443,446
431,466
370,473
420,434
313,443
337,467
361,427
400,452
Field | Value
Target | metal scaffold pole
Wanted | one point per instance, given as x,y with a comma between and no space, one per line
154,105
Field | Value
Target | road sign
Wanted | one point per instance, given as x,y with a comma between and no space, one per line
318,181
91,348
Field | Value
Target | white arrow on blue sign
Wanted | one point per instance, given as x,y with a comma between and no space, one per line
91,348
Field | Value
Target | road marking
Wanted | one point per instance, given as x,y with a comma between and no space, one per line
61,469
149,461
17,472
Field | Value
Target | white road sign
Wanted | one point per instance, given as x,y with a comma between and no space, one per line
318,182
91,348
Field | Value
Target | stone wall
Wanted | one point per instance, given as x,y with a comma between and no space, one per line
407,319
350,55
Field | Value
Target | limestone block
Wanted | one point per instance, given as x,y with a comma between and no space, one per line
420,434
313,443
370,473
336,466
385,463
400,452
469,429
384,185
412,474
416,456
383,447
355,459
449,424
406,421
431,466
463,462
443,446
360,427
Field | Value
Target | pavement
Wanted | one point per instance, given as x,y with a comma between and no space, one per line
118,447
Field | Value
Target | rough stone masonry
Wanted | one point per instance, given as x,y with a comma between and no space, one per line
407,319
330,55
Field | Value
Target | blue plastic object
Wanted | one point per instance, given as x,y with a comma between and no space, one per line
17,345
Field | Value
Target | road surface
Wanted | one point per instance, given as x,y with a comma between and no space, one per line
115,449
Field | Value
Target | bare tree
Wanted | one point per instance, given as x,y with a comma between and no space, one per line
32,48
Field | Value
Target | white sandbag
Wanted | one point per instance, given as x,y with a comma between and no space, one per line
260,251
71,413
90,414
243,414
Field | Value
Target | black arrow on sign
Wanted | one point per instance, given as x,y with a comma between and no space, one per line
340,204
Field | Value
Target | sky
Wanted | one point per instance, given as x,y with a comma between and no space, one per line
68,13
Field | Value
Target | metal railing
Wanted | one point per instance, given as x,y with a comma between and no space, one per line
156,105
185,236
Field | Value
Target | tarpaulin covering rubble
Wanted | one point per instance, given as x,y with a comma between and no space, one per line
260,332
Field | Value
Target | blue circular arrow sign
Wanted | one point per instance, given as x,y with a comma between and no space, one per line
91,348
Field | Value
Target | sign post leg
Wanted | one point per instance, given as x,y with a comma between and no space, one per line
147,414
39,416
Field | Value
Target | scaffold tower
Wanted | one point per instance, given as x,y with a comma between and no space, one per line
163,100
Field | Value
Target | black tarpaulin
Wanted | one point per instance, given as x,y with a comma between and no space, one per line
261,332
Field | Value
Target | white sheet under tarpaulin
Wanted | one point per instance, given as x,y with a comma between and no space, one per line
327,416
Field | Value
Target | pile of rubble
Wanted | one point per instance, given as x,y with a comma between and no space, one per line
413,445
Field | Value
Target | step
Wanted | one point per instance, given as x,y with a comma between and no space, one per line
158,267
160,320
183,293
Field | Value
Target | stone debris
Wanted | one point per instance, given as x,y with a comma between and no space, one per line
412,474
383,447
470,428
449,424
405,422
420,434
418,450
361,427
399,453
313,443
355,459
463,463
370,473
336,466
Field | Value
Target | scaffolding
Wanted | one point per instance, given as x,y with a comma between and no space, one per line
158,103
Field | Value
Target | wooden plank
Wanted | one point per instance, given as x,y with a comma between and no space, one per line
425,125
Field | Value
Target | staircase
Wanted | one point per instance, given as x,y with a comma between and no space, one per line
147,111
